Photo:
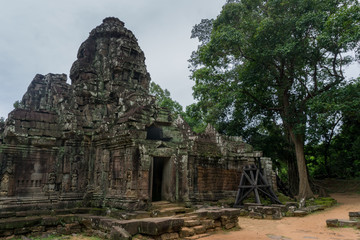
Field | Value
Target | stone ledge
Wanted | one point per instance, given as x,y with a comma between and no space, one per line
180,226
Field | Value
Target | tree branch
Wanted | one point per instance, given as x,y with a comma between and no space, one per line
260,102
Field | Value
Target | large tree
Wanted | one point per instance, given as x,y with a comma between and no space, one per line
268,58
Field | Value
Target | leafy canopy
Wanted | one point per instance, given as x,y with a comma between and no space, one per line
268,58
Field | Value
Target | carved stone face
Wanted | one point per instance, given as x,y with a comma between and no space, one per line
109,78
110,62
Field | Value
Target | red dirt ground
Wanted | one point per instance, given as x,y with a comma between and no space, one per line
312,226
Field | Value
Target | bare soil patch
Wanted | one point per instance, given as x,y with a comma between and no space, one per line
312,226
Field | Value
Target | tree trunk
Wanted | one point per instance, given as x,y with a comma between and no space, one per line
304,186
326,164
293,175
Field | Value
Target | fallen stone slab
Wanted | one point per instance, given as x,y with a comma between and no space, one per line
341,223
355,216
313,208
300,213
216,213
170,211
332,222
347,223
157,226
147,226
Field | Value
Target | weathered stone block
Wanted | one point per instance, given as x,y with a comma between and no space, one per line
169,236
355,216
347,223
332,223
300,213
192,223
158,226
199,229
256,215
208,223
186,232
230,225
217,223
341,223
118,233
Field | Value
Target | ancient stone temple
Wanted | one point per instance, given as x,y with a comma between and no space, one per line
102,140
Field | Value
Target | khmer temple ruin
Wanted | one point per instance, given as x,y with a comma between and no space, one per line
102,141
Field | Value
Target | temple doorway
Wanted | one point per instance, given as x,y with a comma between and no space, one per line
160,178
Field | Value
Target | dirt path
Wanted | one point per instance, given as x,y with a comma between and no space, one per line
312,226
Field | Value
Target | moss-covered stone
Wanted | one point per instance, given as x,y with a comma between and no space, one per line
18,223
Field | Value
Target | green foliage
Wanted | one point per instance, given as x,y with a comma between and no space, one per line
164,99
335,143
324,201
251,63
17,104
283,199
194,117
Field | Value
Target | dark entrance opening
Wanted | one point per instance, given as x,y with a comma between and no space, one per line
154,133
159,165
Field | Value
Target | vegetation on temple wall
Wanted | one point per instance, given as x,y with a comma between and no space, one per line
164,99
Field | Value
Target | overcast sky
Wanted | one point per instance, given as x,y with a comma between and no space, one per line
43,36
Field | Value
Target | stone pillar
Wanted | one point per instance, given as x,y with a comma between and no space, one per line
270,176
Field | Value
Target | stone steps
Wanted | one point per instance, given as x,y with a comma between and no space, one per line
165,208
204,221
